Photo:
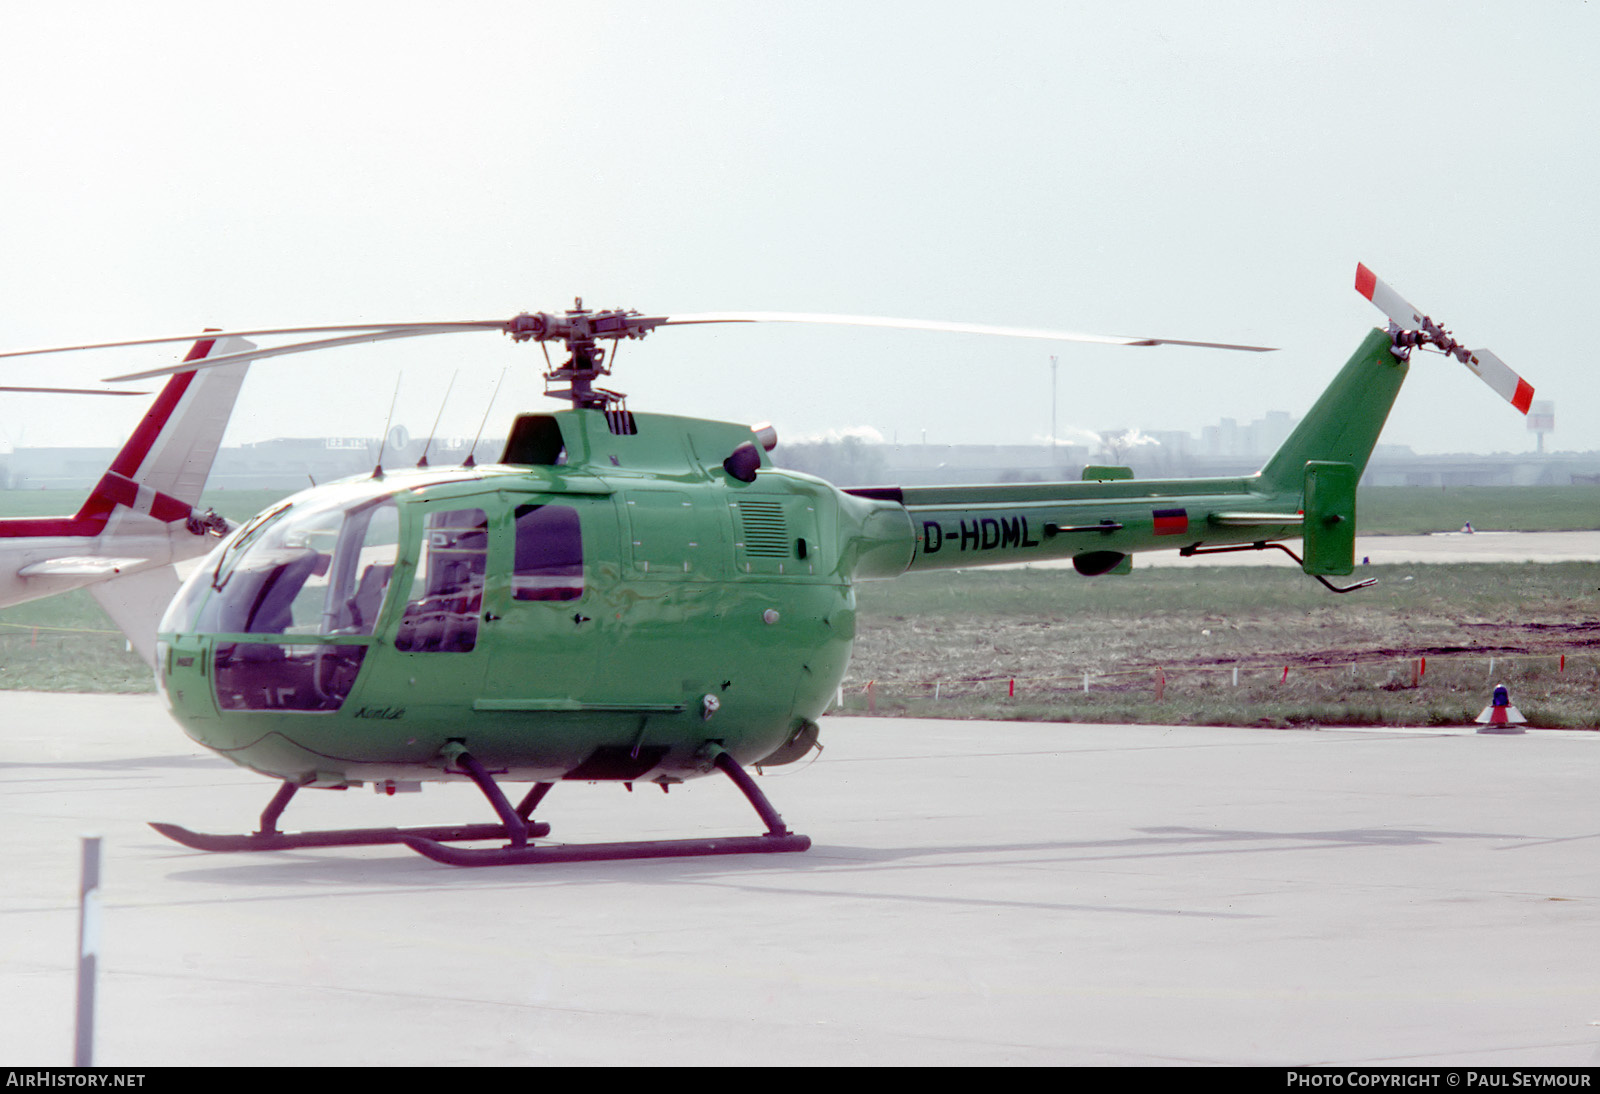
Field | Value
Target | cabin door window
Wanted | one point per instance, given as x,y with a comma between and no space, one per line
549,554
441,613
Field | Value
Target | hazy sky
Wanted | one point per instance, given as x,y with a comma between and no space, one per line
1209,171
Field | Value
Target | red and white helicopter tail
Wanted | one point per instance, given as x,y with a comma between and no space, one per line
142,516
162,468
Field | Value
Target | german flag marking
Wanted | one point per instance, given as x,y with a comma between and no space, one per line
1171,522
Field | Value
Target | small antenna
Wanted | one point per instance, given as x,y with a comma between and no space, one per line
435,430
377,472
470,461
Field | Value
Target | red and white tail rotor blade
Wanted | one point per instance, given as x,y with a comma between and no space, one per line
1485,365
1499,376
1389,302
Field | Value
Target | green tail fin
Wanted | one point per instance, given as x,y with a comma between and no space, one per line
1344,424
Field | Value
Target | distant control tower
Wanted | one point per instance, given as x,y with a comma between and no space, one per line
1542,419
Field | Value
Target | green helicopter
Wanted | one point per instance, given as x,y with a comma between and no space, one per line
644,598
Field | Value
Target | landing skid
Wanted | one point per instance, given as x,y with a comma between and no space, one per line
516,827
605,852
778,838
268,838
348,837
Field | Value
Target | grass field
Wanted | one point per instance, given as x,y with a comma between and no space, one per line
67,643
1233,646
1412,510
1160,645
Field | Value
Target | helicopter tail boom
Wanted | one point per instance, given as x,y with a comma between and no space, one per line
1307,489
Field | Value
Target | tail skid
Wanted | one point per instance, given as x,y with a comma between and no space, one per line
135,602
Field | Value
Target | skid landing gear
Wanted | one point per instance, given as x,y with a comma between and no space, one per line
515,827
777,838
268,838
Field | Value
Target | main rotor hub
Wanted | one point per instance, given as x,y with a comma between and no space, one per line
581,330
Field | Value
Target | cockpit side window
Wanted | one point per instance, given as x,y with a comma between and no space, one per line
549,554
441,613
364,563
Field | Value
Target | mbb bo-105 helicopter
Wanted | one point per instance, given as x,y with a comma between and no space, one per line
646,598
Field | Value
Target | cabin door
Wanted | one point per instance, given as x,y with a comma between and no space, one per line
553,559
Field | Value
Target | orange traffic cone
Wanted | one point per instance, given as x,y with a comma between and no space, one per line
1500,716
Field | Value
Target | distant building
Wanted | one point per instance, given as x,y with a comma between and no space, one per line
1260,438
287,463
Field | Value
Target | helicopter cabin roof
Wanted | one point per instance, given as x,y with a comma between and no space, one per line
613,442
570,452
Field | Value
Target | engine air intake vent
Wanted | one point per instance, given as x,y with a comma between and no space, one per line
763,529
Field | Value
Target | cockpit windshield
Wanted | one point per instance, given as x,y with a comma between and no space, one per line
308,569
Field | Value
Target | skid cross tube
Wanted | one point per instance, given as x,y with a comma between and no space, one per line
531,800
268,838
275,808
513,820
777,838
516,827
727,765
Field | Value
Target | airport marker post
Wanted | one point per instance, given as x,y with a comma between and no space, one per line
88,951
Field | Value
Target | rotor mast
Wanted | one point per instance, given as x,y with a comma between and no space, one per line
582,330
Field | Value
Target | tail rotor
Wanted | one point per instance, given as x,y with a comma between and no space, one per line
1409,328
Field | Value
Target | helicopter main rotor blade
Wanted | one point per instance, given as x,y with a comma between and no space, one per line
418,328
1414,328
576,324
414,331
73,391
948,328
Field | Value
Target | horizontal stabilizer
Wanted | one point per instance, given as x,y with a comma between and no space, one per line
1255,520
82,566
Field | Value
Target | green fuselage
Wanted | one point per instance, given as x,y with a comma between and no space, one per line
677,606
612,598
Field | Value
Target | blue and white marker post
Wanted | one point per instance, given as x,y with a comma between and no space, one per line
88,951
